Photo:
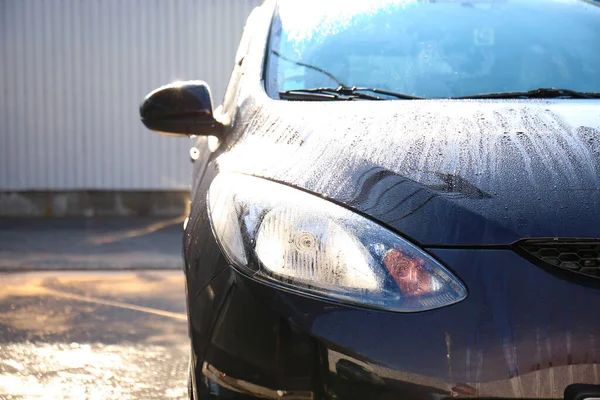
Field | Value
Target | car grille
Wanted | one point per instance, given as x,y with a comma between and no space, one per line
577,255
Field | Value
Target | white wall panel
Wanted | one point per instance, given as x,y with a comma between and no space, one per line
72,75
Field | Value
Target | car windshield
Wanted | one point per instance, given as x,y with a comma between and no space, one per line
435,49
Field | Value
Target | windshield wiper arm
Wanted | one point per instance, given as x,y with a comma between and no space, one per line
342,93
325,93
389,93
308,94
542,93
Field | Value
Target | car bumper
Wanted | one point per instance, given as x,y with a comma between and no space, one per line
522,332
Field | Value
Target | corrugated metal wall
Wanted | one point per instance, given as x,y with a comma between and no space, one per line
72,75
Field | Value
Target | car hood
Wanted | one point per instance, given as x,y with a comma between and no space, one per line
441,172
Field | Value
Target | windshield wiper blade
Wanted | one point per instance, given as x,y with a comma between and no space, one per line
313,67
541,93
343,93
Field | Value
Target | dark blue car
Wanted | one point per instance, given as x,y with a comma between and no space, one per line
396,199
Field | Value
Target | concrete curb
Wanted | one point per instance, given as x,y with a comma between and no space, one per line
94,203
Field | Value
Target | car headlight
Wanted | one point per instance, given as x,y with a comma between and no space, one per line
292,239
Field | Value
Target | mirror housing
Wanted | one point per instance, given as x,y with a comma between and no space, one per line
180,108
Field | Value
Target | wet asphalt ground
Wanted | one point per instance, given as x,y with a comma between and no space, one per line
92,309
93,335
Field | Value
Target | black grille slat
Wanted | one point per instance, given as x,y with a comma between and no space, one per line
577,255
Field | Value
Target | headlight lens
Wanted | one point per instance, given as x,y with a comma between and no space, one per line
296,240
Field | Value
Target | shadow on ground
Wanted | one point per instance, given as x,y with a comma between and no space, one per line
84,243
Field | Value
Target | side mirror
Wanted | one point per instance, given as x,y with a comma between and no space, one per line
180,108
